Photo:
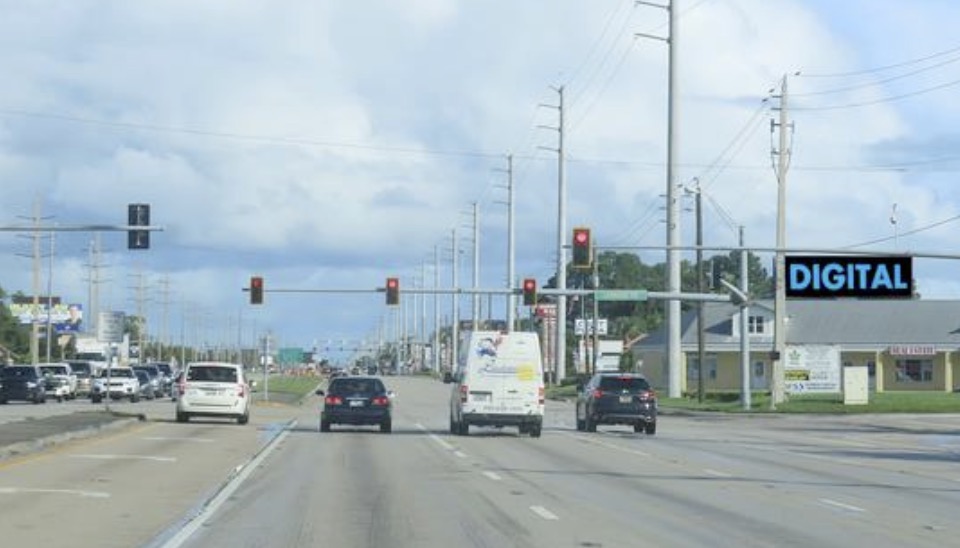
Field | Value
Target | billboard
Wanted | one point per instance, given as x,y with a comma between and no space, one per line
65,318
831,276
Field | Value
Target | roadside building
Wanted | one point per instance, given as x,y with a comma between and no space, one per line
905,345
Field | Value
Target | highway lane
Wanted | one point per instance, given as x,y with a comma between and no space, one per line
126,487
704,480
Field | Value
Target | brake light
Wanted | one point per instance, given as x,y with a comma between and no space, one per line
463,393
380,400
597,393
181,388
648,395
333,400
240,390
541,395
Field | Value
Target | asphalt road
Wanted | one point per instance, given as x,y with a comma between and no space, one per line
703,480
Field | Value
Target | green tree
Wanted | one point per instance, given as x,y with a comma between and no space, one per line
15,338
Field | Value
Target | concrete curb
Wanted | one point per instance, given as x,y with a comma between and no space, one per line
24,448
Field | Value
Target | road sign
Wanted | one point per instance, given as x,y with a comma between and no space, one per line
621,294
110,327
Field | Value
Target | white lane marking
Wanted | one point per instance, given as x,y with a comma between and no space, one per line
842,506
717,473
126,457
460,454
493,475
544,513
198,440
87,494
605,444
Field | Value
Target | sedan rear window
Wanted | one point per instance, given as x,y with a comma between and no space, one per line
19,372
631,384
211,373
348,386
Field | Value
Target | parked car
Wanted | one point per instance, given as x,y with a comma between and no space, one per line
84,371
66,387
22,383
617,398
116,383
213,389
357,401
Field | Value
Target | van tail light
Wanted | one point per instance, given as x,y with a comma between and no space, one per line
541,396
463,393
333,400
380,400
597,393
181,388
241,390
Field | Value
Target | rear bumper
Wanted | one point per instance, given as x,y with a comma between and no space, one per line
497,419
369,415
644,417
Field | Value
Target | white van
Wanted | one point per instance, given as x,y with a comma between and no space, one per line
498,382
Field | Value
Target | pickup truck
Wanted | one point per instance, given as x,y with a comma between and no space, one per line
116,383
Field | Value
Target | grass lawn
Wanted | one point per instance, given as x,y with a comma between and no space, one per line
285,388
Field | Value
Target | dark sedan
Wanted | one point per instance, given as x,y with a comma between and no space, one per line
617,398
22,383
356,401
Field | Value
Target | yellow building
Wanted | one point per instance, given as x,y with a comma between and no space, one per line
905,344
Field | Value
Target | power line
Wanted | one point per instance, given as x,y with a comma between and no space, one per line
883,68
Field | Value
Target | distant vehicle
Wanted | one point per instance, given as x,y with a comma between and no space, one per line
116,383
213,389
66,388
499,382
357,401
617,398
166,375
148,390
84,371
154,378
22,383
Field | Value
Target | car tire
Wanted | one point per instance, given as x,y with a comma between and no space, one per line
182,417
581,425
324,426
650,429
535,430
95,399
386,426
454,427
463,428
588,424
243,419
3,402
134,398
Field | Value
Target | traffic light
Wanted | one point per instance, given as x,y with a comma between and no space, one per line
138,215
393,291
256,290
581,248
529,292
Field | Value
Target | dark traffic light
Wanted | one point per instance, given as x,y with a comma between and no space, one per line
529,291
138,215
581,248
256,290
393,291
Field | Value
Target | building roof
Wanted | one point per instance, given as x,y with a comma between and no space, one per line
849,322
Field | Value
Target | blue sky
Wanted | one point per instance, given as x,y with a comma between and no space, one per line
330,144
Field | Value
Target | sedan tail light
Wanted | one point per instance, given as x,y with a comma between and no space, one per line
333,400
380,400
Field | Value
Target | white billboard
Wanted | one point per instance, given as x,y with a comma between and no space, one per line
812,369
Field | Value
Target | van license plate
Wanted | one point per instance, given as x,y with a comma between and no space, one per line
624,399
481,397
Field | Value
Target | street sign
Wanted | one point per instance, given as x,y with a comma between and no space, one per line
110,327
583,326
621,294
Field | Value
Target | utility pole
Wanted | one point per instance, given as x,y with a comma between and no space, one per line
745,392
455,318
511,300
436,309
777,391
672,306
701,329
560,353
476,265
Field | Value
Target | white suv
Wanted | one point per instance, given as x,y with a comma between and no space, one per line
213,389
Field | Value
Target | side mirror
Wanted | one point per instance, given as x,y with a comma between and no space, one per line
447,377
319,392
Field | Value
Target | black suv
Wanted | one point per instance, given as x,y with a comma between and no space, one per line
22,382
617,398
356,400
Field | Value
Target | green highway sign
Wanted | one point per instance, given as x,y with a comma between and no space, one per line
621,294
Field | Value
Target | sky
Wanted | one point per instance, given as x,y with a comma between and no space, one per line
330,144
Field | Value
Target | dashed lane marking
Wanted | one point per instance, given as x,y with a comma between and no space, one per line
492,475
125,457
842,506
73,492
544,513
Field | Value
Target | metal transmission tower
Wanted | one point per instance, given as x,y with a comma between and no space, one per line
673,353
782,152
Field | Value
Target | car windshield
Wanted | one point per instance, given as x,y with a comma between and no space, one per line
80,369
211,373
344,387
631,384
54,369
117,373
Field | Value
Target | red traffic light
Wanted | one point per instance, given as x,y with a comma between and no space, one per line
581,248
256,290
393,291
529,291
